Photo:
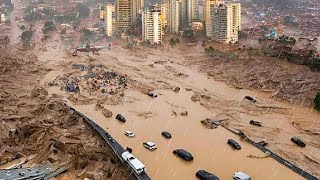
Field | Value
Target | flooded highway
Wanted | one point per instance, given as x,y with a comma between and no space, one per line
148,117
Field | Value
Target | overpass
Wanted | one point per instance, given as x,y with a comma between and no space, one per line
115,146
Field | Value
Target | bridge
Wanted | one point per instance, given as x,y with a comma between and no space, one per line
115,146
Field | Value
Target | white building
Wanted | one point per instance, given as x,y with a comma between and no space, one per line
108,19
226,22
151,26
173,16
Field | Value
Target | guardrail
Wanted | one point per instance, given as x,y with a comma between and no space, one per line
115,146
276,157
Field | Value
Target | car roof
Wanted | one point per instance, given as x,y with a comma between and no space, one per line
127,155
137,164
129,132
184,152
150,143
207,174
242,175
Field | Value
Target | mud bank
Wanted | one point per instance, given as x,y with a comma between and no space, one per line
36,127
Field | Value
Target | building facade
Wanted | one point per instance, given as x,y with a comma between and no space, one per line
226,22
137,7
151,26
189,12
207,5
108,19
173,16
123,15
164,14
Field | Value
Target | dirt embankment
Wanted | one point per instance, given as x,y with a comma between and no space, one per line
39,129
248,69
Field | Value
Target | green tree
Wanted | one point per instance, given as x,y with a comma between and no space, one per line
26,37
317,101
48,26
172,42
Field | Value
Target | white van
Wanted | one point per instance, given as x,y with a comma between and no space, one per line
133,162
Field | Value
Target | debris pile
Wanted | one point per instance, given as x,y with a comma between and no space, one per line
96,79
38,129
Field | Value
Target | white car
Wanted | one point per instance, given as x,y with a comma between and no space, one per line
150,145
134,163
241,176
129,134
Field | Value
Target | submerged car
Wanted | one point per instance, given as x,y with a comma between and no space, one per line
120,118
129,134
256,123
298,141
166,134
152,94
241,176
234,144
150,145
183,154
205,175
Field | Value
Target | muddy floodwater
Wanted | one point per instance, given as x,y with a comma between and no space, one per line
148,117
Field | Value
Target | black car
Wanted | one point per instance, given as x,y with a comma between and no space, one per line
234,144
183,154
120,118
205,175
166,134
256,123
298,141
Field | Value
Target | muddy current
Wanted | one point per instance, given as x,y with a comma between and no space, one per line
174,111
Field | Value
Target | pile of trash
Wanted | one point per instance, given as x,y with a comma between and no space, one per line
96,79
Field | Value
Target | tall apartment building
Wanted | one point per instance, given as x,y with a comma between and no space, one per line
207,5
137,7
173,16
105,14
193,11
226,24
164,13
123,15
151,26
108,19
189,12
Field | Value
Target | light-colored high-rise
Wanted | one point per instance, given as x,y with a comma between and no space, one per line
226,22
193,11
151,26
173,16
164,14
108,19
123,15
207,5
